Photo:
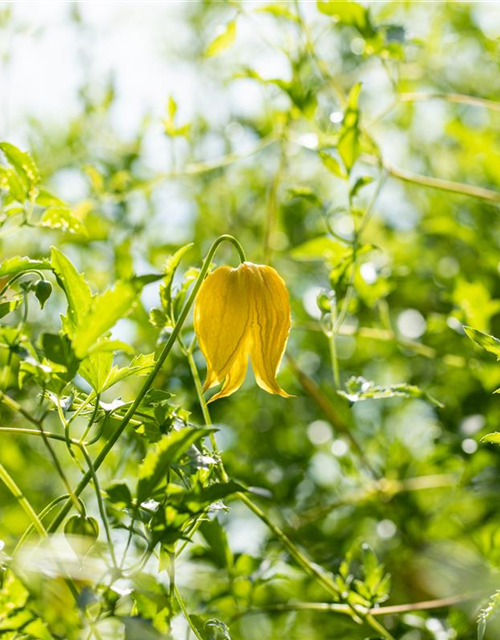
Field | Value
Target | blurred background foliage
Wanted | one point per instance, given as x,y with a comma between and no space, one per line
354,147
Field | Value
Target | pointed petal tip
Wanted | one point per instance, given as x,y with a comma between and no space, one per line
284,394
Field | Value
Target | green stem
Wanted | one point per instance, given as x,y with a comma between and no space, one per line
150,379
100,504
438,183
92,418
33,432
186,615
16,407
11,485
458,98
17,277
333,350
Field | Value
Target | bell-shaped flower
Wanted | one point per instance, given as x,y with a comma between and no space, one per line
239,314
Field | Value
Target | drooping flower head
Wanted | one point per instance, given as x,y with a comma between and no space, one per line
239,314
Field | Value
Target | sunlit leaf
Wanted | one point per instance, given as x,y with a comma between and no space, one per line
75,287
224,40
162,455
12,266
104,312
357,389
62,219
484,340
333,165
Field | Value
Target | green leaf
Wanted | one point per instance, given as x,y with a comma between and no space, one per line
47,199
484,340
211,629
349,13
11,305
169,125
119,494
333,165
475,301
360,183
105,310
491,610
38,629
105,344
357,389
213,493
12,183
279,10
222,41
57,348
349,147
492,438
76,289
18,264
95,369
169,269
216,538
162,455
24,165
62,219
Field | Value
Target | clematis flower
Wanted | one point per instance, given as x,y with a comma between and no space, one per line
242,314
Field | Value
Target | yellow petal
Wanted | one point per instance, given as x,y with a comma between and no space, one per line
235,378
270,326
221,322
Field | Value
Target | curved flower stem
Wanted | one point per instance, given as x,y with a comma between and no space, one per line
17,277
120,428
312,569
11,485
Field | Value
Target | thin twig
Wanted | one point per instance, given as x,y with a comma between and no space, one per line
437,183
328,607
459,98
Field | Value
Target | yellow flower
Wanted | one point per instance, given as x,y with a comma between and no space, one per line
239,314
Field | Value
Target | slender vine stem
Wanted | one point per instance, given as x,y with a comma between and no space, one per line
15,406
329,607
120,428
459,98
460,188
11,485
100,504
186,614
